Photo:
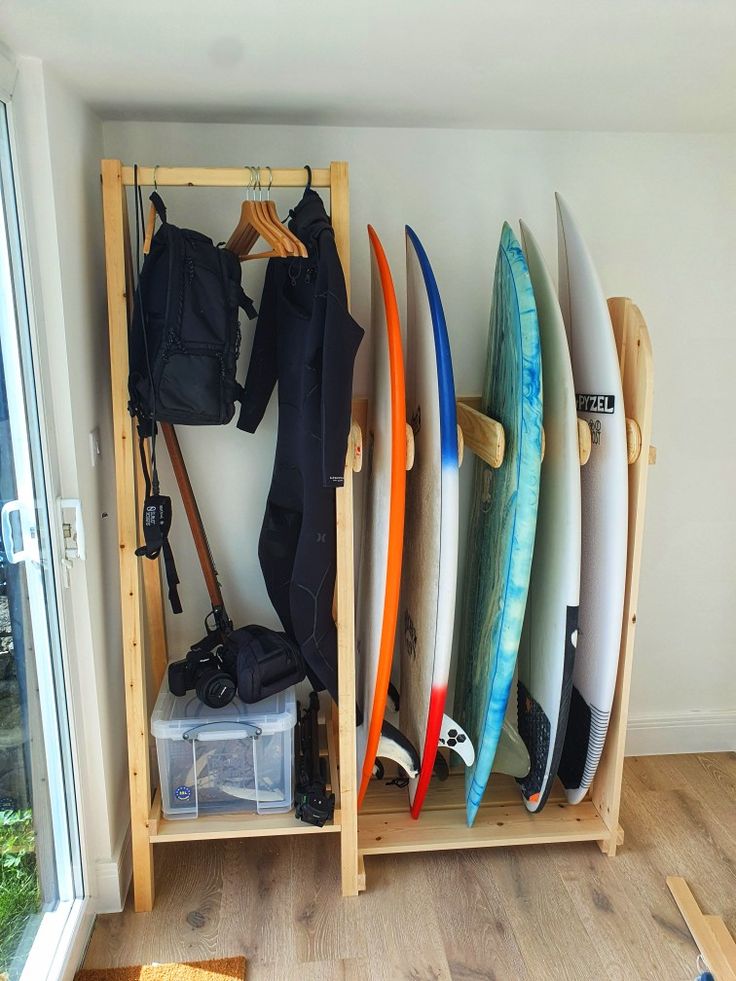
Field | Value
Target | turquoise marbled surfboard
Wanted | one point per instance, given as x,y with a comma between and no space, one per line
503,518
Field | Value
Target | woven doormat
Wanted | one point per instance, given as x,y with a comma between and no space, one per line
225,969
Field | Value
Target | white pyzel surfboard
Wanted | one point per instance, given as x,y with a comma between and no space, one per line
604,496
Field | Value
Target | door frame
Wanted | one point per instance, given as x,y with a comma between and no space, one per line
67,928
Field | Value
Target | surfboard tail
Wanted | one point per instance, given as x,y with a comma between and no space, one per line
418,789
586,735
473,797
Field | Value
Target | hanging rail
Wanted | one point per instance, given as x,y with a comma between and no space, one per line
223,176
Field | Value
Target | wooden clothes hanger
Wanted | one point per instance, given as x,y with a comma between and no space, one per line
253,225
250,224
294,245
259,219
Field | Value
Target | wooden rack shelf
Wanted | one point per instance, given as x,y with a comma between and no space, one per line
384,824
234,826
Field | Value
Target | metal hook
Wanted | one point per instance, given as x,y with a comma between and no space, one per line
155,183
251,181
270,182
309,176
258,184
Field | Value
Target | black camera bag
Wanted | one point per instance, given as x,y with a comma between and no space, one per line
265,662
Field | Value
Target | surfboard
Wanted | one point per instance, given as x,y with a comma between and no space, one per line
379,579
503,518
549,634
604,497
431,534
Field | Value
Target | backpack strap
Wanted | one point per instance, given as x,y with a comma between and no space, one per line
157,201
245,302
156,527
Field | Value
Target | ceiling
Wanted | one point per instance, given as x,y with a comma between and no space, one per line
653,65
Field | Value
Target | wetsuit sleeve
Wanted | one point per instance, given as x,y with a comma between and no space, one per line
263,367
342,338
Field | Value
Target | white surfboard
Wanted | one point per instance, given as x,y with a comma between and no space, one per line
604,496
429,580
549,635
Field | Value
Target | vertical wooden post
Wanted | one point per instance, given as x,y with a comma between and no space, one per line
340,214
136,703
635,353
346,680
340,217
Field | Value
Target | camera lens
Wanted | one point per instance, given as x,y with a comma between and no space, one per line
216,689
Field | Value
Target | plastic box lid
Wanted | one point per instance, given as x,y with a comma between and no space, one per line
174,716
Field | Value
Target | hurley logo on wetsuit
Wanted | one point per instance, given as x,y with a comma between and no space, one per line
596,403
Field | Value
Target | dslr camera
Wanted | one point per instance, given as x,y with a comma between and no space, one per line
208,670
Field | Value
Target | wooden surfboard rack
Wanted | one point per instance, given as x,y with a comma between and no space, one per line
384,824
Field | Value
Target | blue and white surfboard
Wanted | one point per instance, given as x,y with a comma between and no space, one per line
503,518
429,581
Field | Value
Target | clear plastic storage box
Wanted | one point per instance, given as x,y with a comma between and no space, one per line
237,758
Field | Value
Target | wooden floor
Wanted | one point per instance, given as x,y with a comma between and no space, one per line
539,912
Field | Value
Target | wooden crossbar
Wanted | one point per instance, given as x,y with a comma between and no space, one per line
225,177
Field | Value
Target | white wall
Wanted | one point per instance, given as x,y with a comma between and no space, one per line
59,144
659,215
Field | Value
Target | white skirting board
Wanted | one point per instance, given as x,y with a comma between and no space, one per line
691,732
113,878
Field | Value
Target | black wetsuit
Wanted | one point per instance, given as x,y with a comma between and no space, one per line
307,341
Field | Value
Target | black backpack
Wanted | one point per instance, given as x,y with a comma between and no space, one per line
183,347
185,334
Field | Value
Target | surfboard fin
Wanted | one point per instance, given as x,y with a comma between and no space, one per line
393,745
512,756
454,737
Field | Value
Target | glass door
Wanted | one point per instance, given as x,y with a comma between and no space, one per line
40,872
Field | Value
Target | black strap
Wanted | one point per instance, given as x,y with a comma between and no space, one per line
156,507
156,526
172,577
157,201
247,304
144,461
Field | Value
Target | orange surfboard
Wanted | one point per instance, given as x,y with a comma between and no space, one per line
379,580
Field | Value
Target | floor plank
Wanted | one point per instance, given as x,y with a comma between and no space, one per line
544,912
477,936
